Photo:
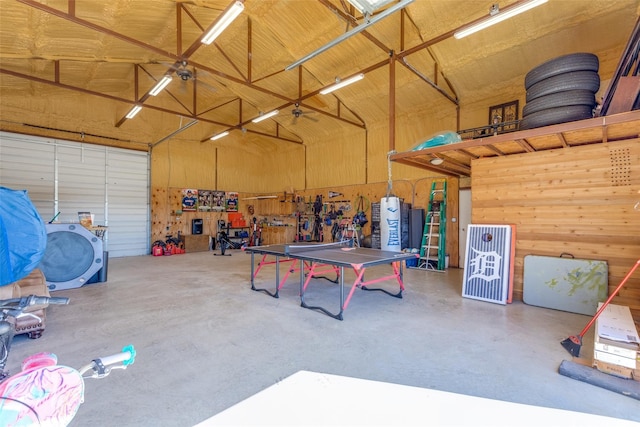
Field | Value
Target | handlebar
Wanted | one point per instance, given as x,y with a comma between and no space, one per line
36,300
102,366
32,300
15,306
127,357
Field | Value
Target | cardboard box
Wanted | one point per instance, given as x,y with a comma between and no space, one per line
196,242
615,359
617,370
618,348
86,219
615,323
616,341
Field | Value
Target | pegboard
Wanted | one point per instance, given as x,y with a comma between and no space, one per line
620,166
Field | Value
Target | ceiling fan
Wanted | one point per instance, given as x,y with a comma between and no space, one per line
187,74
297,113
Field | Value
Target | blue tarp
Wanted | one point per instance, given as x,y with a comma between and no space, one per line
23,236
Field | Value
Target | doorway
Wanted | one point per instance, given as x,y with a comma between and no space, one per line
464,218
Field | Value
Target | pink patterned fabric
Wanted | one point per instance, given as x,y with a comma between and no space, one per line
39,360
53,392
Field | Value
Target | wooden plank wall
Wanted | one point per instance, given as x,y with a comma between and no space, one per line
166,203
577,200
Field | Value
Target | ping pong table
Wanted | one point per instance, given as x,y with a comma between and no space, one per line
314,260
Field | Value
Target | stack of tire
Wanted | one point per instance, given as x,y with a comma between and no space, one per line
561,90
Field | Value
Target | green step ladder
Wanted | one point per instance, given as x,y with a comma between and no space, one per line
434,245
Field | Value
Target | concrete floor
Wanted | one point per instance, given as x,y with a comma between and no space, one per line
205,341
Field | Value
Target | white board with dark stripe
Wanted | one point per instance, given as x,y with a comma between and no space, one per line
488,263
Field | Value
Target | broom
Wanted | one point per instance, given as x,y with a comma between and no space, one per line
574,342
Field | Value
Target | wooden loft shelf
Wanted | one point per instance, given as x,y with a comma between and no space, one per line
458,156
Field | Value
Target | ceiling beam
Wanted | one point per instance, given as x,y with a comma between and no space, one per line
441,169
351,21
430,82
177,58
198,118
246,81
103,95
355,30
392,102
72,18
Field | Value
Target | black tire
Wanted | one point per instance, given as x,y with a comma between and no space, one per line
560,99
553,116
561,65
577,80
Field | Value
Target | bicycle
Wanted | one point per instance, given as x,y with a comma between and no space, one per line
223,240
225,243
45,393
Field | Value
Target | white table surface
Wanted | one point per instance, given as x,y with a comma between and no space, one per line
316,399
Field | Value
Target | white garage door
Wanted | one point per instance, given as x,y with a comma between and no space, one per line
69,177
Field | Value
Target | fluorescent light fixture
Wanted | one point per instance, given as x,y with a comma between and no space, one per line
135,110
342,83
160,85
227,18
498,16
368,6
265,116
220,135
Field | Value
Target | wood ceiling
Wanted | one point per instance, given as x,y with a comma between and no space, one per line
76,67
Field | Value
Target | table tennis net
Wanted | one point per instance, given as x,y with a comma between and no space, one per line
298,248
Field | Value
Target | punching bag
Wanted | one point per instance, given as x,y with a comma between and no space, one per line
390,224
